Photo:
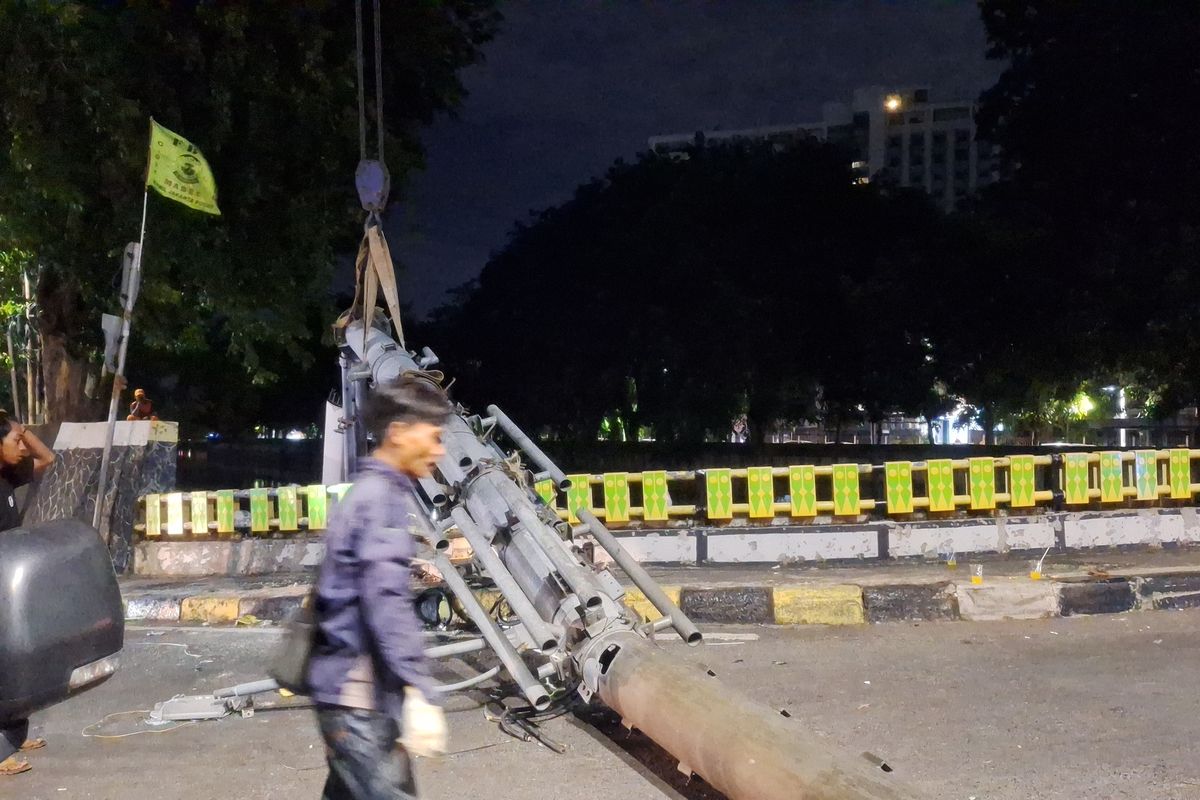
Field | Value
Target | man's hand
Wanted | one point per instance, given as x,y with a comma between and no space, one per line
423,729
43,456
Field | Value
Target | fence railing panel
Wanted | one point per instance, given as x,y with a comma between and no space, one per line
751,495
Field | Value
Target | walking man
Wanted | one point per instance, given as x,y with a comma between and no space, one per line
368,673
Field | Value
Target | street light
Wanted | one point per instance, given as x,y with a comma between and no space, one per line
893,102
1082,405
1119,392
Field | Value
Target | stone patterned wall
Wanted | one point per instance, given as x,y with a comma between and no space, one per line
142,461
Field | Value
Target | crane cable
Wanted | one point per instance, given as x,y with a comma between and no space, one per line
374,269
362,102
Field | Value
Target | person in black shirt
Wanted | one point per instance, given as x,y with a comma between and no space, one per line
23,457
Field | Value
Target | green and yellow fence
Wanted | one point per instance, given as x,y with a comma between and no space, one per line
799,493
287,509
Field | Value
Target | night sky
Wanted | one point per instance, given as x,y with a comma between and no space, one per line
568,87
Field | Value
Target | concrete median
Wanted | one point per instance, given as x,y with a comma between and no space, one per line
850,596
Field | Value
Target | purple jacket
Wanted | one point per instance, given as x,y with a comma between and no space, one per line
369,644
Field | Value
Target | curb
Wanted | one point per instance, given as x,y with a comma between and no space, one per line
788,604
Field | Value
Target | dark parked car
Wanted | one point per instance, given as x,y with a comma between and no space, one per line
62,625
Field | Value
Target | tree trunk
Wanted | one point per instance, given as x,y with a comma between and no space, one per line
989,425
64,377
929,431
64,369
632,425
757,433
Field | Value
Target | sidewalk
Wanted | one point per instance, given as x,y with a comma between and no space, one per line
1076,583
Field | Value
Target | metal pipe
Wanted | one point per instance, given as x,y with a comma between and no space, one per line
349,412
531,449
436,536
30,383
441,651
433,490
386,359
428,359
468,440
12,375
456,648
452,474
488,515
541,633
464,451
758,755
458,440
100,520
641,579
533,690
247,689
467,683
571,571
534,572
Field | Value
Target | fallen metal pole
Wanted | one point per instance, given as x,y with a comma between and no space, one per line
737,745
641,579
740,747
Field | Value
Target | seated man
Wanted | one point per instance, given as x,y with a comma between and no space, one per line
141,408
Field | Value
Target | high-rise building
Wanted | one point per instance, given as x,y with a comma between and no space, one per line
897,137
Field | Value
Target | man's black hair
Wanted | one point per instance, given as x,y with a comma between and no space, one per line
407,399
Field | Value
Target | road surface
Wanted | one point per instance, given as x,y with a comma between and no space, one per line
1084,707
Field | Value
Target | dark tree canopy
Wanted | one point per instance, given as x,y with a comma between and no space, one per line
266,90
742,280
679,294
669,295
1094,116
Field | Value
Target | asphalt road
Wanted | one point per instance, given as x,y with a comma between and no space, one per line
1099,707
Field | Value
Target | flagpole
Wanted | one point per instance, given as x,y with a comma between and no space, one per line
131,292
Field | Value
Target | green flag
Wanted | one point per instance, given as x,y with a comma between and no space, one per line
179,172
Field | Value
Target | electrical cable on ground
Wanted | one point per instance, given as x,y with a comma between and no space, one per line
87,734
186,650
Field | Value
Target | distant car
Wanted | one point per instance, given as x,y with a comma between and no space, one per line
62,625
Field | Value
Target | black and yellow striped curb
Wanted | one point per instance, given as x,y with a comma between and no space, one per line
788,604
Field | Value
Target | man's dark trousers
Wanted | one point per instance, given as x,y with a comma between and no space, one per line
12,736
365,761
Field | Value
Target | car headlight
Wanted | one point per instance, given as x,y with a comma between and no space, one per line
94,672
